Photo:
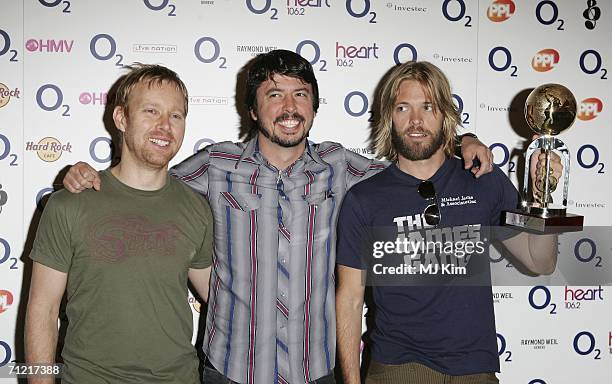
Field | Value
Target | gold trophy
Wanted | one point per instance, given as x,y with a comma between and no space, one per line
549,110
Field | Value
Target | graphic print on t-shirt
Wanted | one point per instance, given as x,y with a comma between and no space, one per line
115,238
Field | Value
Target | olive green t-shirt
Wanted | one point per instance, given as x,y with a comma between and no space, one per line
127,253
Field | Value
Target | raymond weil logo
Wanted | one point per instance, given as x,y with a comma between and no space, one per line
6,94
539,343
49,149
6,300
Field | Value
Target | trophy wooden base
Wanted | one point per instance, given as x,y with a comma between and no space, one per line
544,224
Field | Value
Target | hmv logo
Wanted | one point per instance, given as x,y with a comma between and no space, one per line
50,45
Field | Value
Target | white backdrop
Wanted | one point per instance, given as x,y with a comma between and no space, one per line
58,58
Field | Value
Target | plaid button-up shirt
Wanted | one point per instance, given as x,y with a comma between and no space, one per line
271,309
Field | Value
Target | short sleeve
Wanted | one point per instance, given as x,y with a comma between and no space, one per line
203,256
360,168
52,246
352,234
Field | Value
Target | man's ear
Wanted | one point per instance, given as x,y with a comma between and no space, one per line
253,114
120,118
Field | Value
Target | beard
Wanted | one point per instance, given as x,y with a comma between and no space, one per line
416,151
286,143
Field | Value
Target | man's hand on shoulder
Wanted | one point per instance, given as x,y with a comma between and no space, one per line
471,149
81,176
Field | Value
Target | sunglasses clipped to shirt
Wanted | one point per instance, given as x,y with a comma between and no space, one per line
432,212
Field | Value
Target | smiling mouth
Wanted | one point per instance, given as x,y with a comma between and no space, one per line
160,142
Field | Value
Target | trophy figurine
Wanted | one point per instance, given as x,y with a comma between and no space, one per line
549,110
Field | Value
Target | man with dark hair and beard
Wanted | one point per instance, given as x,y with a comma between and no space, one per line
275,200
432,299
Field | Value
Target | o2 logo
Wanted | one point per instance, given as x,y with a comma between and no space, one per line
40,195
585,251
586,349
111,49
316,59
501,258
403,47
5,151
364,12
536,302
49,97
265,9
5,353
5,255
547,13
5,46
505,158
107,146
349,105
591,14
501,10
55,3
163,5
588,109
502,349
506,61
594,161
201,144
454,10
545,60
209,57
465,117
595,68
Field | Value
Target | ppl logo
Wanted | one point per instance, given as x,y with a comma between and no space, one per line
93,98
591,14
589,108
6,300
500,10
545,60
50,45
6,94
49,149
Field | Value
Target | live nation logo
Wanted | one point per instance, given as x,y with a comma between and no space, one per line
49,149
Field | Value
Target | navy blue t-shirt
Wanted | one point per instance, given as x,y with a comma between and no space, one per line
440,320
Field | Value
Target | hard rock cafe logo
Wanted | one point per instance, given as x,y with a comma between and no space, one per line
49,149
195,303
6,94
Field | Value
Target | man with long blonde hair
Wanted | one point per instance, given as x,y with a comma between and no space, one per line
420,232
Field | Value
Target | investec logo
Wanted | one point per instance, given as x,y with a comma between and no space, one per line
49,149
588,109
49,45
